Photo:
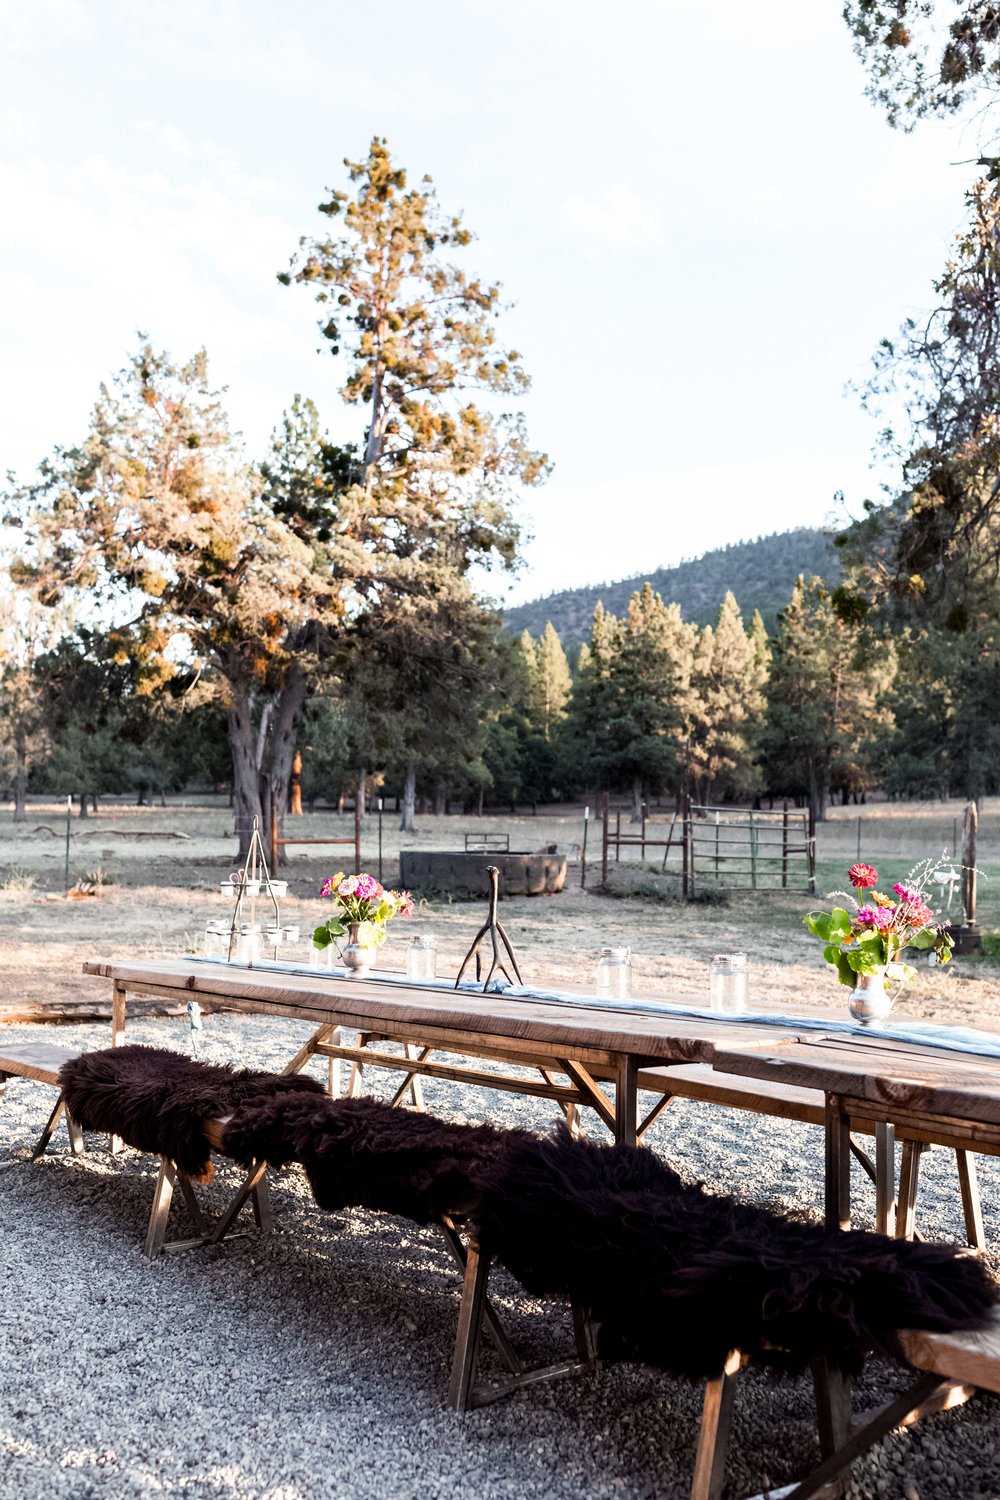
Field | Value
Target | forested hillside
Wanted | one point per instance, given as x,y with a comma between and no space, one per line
761,574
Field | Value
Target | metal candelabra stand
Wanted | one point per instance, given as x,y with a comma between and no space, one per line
249,881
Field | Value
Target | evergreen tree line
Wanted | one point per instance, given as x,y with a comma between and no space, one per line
653,707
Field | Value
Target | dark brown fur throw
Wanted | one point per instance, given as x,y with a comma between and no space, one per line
158,1100
677,1277
361,1153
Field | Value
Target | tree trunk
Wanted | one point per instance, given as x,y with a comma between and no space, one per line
246,781
276,769
362,792
83,805
21,780
636,800
439,800
479,804
295,787
408,822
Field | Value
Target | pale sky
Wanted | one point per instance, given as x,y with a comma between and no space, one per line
704,226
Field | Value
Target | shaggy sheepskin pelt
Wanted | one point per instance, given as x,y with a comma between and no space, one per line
158,1100
360,1153
677,1277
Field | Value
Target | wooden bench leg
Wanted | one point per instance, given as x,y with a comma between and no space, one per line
160,1212
861,1439
490,1316
261,1200
75,1133
250,1189
50,1125
713,1437
470,1327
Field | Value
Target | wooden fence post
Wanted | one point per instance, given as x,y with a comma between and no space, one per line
970,828
605,814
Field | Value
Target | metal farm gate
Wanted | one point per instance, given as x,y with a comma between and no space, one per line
739,848
732,848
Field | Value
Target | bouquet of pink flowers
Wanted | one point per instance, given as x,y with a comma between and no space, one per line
870,940
362,903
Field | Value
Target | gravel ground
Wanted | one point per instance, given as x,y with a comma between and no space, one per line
314,1362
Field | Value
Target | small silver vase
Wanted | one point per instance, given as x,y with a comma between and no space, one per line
354,955
870,1001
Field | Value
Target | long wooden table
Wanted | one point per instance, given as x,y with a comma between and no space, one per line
588,1047
931,1095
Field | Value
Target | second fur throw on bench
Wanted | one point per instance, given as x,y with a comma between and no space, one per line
361,1153
677,1277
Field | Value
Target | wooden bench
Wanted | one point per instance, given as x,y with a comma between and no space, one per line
41,1062
793,1102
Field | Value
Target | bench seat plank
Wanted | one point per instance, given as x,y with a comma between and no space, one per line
38,1060
972,1358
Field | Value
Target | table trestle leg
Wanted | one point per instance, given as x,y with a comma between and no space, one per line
885,1177
308,1048
909,1185
838,1165
569,1109
49,1131
968,1181
654,1114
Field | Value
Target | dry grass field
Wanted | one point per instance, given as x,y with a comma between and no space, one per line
161,867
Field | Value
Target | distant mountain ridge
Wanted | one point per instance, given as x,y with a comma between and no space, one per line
761,574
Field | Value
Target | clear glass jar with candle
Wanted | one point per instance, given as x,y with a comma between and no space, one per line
248,940
421,957
614,972
728,979
217,939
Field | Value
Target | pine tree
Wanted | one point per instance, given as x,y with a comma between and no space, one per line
825,697
725,707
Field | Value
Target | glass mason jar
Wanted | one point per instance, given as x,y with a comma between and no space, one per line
322,958
728,980
421,957
248,940
614,972
217,939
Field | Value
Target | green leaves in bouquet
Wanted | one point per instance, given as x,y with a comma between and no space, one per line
829,926
867,957
925,938
835,955
324,934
